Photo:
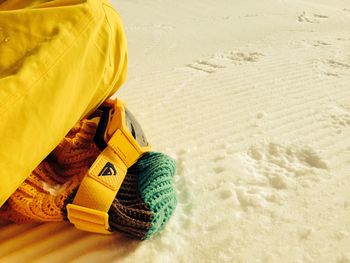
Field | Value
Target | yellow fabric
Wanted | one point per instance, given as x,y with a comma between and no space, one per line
59,61
42,195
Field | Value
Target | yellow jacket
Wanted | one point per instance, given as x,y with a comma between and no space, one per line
59,60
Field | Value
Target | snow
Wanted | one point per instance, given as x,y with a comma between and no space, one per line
252,100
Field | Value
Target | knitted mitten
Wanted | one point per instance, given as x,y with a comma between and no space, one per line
42,195
147,199
144,202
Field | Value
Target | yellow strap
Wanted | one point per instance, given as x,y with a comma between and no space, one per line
121,144
99,187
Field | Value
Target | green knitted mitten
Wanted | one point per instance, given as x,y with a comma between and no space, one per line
146,199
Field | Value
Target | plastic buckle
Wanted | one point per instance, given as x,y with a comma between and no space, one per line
88,219
125,149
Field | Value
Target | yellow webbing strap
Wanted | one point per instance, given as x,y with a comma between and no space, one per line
99,187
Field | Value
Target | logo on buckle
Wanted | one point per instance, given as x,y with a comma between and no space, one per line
108,170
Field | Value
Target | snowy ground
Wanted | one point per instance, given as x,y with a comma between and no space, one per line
252,98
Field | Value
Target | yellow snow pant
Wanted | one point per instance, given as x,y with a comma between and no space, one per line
59,60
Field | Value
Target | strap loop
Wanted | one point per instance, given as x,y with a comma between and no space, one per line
88,219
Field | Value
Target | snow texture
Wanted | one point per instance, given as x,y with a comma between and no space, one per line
252,100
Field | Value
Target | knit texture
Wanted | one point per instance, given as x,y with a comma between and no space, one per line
147,198
155,181
42,195
144,202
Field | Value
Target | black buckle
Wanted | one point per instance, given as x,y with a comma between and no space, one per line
99,138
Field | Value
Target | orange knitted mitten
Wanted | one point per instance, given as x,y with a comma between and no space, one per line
42,195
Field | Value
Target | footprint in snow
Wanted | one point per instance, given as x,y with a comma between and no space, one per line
224,60
315,18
